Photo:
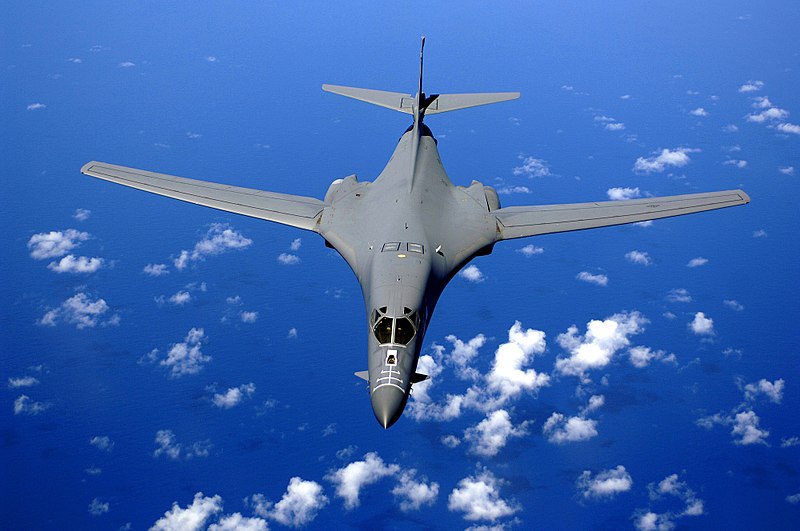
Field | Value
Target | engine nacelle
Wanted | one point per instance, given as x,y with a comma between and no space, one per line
341,187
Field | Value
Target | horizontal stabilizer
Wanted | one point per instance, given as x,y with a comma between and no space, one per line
419,377
391,100
454,102
364,375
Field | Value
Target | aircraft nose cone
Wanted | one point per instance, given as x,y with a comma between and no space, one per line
387,404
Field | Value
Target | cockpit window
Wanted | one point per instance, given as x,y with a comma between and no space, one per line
403,331
383,330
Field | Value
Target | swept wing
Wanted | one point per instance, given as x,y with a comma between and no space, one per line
521,221
294,210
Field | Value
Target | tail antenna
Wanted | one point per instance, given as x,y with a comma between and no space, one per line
421,50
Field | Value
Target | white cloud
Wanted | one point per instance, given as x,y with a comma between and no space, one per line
462,354
451,441
642,356
36,106
295,245
508,190
772,390
697,262
639,257
21,381
677,157
786,170
297,507
220,238
55,243
414,494
102,442
97,507
72,264
788,128
292,333
745,426
752,86
595,403
771,114
702,325
237,522
646,519
156,270
617,126
679,295
24,404
530,250
350,479
288,259
478,497
794,499
599,279
472,274
248,317
560,429
760,233
789,442
507,377
622,194
735,162
126,64
699,112
602,340
81,311
490,435
180,298
606,484
532,167
186,357
168,446
233,396
603,118
730,128
192,518
82,214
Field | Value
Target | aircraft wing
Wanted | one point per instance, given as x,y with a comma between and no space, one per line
294,210
521,221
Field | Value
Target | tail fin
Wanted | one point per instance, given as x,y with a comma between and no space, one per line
408,104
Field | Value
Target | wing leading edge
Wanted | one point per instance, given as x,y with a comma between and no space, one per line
294,210
521,221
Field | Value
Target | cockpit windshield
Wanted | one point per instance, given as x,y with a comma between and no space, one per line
399,330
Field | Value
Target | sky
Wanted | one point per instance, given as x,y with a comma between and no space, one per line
168,366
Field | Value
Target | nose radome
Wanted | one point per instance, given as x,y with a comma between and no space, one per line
387,404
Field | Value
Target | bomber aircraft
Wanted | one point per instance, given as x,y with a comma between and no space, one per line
407,233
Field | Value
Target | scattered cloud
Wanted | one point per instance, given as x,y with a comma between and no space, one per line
185,357
180,298
26,405
82,214
772,114
679,295
292,333
702,325
599,279
772,390
794,499
102,442
752,86
733,305
623,194
472,274
81,311
167,445
21,381
786,170
789,442
155,270
55,243
532,167
697,262
596,348
192,518
414,494
616,126
126,64
605,484
530,250
669,487
793,129
233,396
639,257
350,479
490,435
508,190
730,128
478,498
699,112
72,264
677,157
745,426
560,429
298,506
288,259
760,233
36,106
97,507
295,245
735,162
220,238
248,317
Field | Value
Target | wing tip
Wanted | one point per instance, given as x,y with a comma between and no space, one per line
86,167
744,196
